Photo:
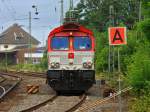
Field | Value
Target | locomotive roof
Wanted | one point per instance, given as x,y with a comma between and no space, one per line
71,27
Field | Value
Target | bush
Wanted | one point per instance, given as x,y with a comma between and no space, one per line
144,26
138,70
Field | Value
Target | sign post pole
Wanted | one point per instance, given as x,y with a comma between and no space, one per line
117,36
119,81
6,63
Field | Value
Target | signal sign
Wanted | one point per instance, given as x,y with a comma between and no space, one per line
117,36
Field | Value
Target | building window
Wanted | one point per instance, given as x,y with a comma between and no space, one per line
35,61
5,46
18,38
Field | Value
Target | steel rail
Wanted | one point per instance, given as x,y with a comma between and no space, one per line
25,72
76,106
13,85
39,105
33,74
3,79
4,91
98,102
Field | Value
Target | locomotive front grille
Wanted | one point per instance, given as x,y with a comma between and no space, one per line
78,60
64,59
66,63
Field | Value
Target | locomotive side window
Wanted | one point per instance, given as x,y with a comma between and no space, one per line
82,43
60,43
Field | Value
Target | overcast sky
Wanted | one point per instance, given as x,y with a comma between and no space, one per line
17,11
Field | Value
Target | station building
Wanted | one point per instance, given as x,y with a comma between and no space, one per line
17,46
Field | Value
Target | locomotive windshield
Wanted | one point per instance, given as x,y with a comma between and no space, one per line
60,43
82,43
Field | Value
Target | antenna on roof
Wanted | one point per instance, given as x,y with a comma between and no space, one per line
71,5
70,15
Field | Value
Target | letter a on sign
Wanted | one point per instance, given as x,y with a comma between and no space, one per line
117,36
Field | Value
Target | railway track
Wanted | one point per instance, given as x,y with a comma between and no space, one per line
32,74
96,103
37,108
2,79
40,105
17,99
72,102
8,83
76,106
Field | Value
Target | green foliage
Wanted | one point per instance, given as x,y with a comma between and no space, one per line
146,8
101,57
128,50
101,60
96,13
135,56
138,72
144,26
44,62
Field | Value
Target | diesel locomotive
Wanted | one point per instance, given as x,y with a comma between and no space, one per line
71,49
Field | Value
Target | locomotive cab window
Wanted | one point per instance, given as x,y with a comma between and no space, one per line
60,43
82,43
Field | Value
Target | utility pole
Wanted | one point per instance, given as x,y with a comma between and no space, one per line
6,62
71,4
109,45
140,8
71,10
111,14
62,12
30,59
30,32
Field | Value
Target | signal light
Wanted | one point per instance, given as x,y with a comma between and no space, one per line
71,55
71,33
55,65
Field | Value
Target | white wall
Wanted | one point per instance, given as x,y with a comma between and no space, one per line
10,47
33,55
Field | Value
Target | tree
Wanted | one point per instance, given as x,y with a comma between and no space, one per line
144,26
96,13
146,8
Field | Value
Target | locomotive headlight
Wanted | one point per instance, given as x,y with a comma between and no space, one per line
52,65
55,65
87,65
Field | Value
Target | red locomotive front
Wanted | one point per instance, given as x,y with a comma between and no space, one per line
71,58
